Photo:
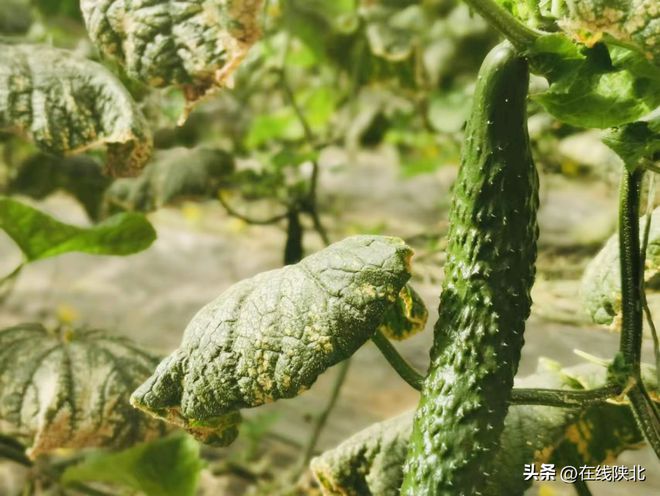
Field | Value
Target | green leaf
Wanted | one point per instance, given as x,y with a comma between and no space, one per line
406,317
81,176
195,44
70,389
282,125
635,143
164,467
586,89
269,337
601,282
174,175
40,236
67,105
371,461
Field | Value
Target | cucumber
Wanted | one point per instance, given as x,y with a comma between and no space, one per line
485,298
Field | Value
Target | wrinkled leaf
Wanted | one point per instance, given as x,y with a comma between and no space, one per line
165,467
371,462
67,105
586,88
174,175
634,22
80,176
40,236
270,336
601,282
635,142
406,317
70,389
195,44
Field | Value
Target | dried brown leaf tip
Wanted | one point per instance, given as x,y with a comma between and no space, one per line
193,44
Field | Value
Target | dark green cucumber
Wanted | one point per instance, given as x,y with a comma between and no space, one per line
485,298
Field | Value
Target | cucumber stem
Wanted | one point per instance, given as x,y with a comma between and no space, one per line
647,415
630,344
563,398
632,298
520,36
398,363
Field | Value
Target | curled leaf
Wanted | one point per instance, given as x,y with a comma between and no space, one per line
601,282
71,389
175,174
269,337
195,44
67,105
406,317
371,461
40,236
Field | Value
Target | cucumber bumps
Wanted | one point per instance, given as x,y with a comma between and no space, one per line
486,293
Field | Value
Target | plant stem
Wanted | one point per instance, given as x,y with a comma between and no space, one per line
7,282
249,220
563,399
646,414
497,16
632,296
398,363
293,250
323,417
630,344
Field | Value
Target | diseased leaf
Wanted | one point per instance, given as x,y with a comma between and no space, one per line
40,236
587,89
371,462
70,389
174,175
81,176
165,467
269,337
406,317
67,105
601,282
195,44
634,22
635,142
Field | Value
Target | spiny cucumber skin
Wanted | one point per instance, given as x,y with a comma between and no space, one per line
486,294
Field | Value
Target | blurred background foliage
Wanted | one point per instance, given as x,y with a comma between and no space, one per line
354,74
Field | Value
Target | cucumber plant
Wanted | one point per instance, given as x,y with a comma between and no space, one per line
65,389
